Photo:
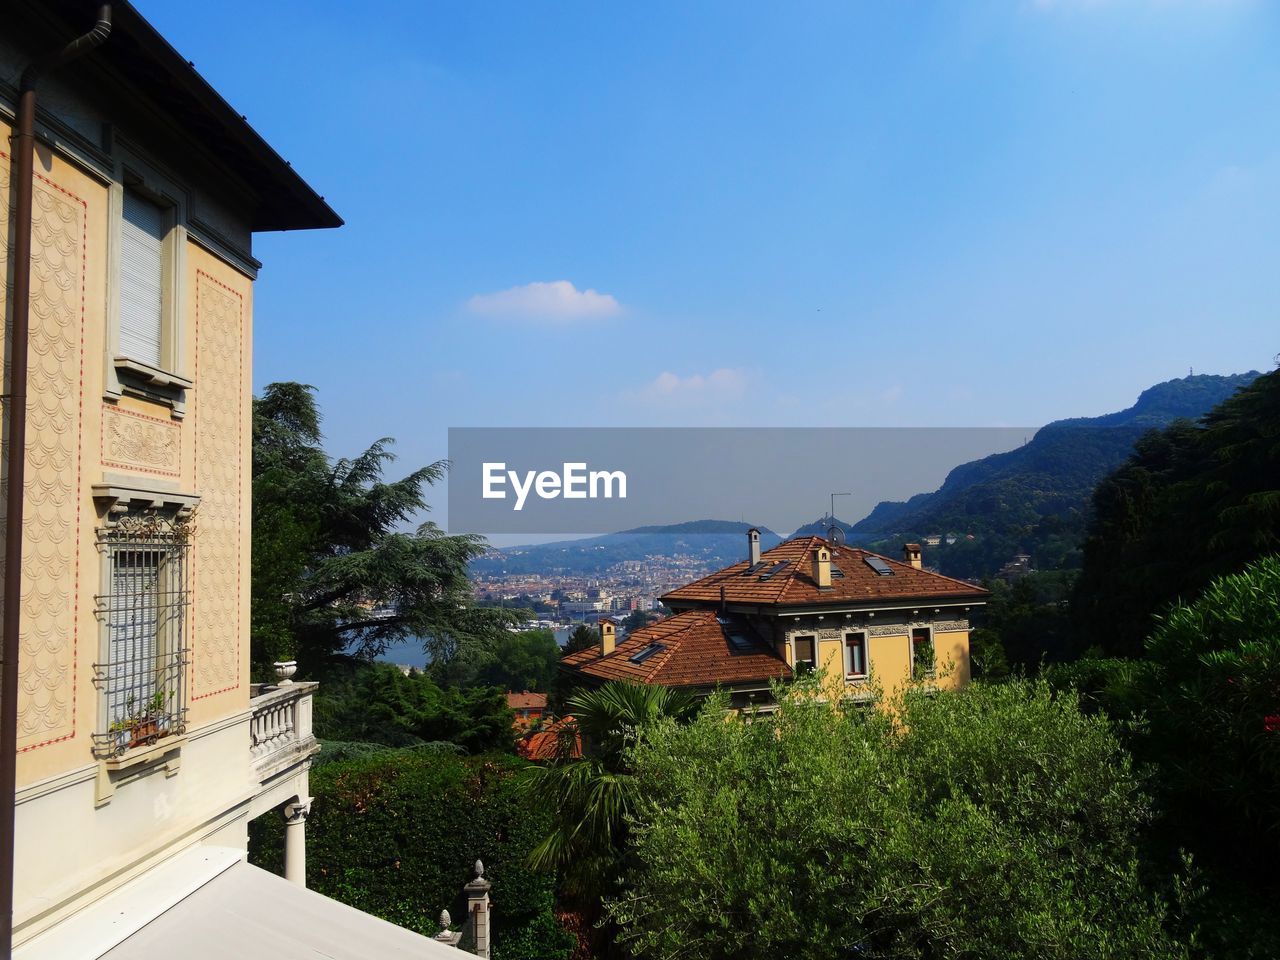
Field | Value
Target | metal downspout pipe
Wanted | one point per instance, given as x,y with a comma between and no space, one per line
24,166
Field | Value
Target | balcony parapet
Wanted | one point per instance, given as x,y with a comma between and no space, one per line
280,734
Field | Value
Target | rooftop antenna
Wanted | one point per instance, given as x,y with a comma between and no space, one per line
834,533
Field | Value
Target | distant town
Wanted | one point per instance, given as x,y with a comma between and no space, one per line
622,587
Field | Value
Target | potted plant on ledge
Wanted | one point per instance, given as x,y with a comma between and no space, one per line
143,725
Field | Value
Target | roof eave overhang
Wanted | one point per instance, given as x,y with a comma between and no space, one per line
140,58
836,606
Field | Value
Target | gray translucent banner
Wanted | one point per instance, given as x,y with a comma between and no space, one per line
603,480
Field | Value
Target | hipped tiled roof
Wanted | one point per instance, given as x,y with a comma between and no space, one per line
696,650
784,578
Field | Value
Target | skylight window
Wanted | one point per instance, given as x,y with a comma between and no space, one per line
640,656
881,568
740,642
774,570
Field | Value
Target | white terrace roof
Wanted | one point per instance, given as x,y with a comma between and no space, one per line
233,910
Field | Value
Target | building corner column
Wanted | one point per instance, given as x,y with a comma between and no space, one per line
295,840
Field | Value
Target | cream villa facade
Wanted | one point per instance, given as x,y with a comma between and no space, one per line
143,749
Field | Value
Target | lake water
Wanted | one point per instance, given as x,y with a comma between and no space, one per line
409,653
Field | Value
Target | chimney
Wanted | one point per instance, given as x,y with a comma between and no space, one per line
822,567
753,546
911,555
608,636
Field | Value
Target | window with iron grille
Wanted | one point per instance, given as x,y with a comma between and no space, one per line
142,677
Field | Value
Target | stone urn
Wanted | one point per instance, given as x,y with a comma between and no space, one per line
285,669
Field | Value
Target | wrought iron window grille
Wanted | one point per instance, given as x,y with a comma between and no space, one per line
143,609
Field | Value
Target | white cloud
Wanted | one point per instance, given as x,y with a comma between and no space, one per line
558,301
722,384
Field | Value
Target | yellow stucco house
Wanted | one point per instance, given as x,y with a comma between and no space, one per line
866,621
140,749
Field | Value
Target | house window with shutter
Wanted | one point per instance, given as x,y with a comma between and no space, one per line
144,230
806,654
145,341
855,656
141,677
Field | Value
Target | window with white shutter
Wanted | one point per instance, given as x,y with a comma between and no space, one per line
142,250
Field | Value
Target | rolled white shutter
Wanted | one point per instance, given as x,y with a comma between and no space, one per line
141,272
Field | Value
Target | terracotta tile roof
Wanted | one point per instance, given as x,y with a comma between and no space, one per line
527,701
693,649
784,578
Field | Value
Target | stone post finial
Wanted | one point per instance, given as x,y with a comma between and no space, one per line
447,936
479,868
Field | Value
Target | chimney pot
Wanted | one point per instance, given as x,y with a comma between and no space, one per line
753,546
608,636
822,567
911,554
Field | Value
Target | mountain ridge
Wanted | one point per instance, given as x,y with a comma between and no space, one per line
1035,497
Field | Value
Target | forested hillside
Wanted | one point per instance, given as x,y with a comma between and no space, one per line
1193,502
1036,498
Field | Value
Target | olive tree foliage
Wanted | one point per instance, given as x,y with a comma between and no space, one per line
996,822
336,571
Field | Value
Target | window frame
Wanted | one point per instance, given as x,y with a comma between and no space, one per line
866,661
795,651
167,382
167,536
931,671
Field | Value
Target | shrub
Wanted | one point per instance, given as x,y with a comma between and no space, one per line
1000,821
1214,709
395,833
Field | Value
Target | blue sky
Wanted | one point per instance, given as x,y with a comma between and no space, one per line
756,214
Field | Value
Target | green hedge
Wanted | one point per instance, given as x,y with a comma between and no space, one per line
395,833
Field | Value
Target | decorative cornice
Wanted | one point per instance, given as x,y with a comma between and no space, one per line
115,499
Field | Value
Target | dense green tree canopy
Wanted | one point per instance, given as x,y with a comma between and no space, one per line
528,660
996,822
1214,704
1192,503
583,637
380,704
1029,622
334,574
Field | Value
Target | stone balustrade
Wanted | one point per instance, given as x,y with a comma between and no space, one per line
280,734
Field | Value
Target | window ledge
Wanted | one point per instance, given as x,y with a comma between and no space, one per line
116,771
152,376
137,756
